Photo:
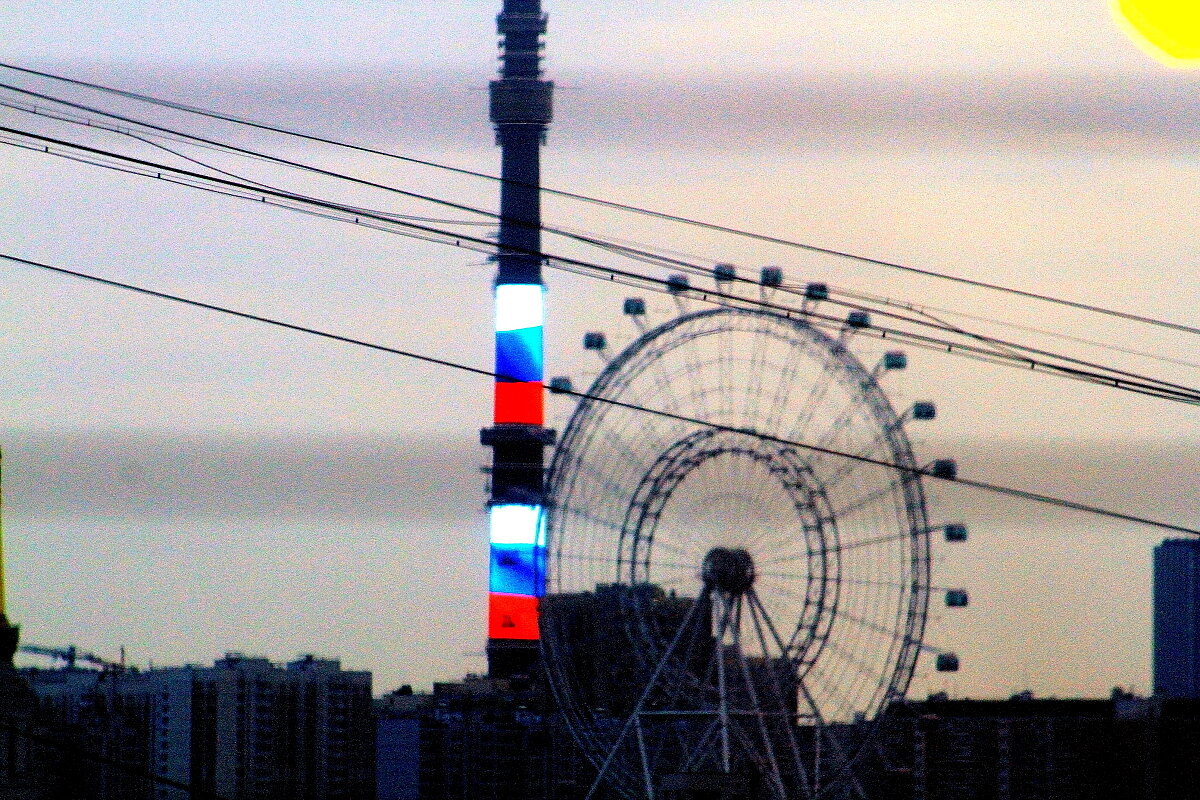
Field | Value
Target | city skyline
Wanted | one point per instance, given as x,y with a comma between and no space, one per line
975,155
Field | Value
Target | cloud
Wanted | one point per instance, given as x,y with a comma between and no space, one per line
139,473
949,111
147,475
785,110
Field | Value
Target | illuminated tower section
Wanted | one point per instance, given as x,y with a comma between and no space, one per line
520,110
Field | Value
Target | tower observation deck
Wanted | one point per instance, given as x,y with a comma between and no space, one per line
521,109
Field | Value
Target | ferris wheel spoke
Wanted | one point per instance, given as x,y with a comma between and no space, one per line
870,672
841,580
753,543
624,455
579,513
863,667
840,423
789,559
867,631
814,400
724,395
851,468
897,637
869,582
697,394
690,568
880,441
664,386
884,539
836,426
756,371
604,478
586,559
659,541
777,407
867,500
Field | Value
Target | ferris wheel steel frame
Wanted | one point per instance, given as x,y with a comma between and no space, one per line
767,707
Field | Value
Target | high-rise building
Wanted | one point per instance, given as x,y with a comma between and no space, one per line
243,727
398,717
1029,749
1177,618
479,740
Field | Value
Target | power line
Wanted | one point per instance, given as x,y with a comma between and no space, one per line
629,208
1116,379
921,308
491,215
975,484
1001,347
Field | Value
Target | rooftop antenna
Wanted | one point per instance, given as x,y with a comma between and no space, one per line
521,108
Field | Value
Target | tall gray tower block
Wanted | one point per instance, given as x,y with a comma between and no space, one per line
1177,618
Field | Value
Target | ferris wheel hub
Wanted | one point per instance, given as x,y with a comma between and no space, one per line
728,570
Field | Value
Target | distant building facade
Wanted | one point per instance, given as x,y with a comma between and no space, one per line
1177,619
243,728
398,718
480,740
1122,748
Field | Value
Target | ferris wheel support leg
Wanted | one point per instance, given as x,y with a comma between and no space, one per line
822,727
637,709
645,761
758,711
793,745
722,693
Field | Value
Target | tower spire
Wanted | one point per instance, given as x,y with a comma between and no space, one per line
521,108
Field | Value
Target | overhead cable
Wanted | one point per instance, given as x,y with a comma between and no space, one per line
1115,379
924,473
625,207
1002,348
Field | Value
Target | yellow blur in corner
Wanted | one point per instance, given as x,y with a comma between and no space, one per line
1169,30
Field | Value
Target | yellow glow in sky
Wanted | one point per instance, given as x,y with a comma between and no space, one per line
1167,29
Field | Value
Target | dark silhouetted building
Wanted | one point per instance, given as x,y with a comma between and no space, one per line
398,718
481,740
242,728
1122,748
1177,618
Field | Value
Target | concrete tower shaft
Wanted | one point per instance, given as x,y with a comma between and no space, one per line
520,110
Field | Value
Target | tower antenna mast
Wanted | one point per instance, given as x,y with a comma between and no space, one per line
521,109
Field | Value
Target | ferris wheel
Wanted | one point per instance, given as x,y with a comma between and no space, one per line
728,610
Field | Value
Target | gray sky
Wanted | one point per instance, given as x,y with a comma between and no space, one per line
184,484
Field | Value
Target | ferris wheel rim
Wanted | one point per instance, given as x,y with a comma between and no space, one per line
837,359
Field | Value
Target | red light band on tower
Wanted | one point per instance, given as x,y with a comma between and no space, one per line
520,403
